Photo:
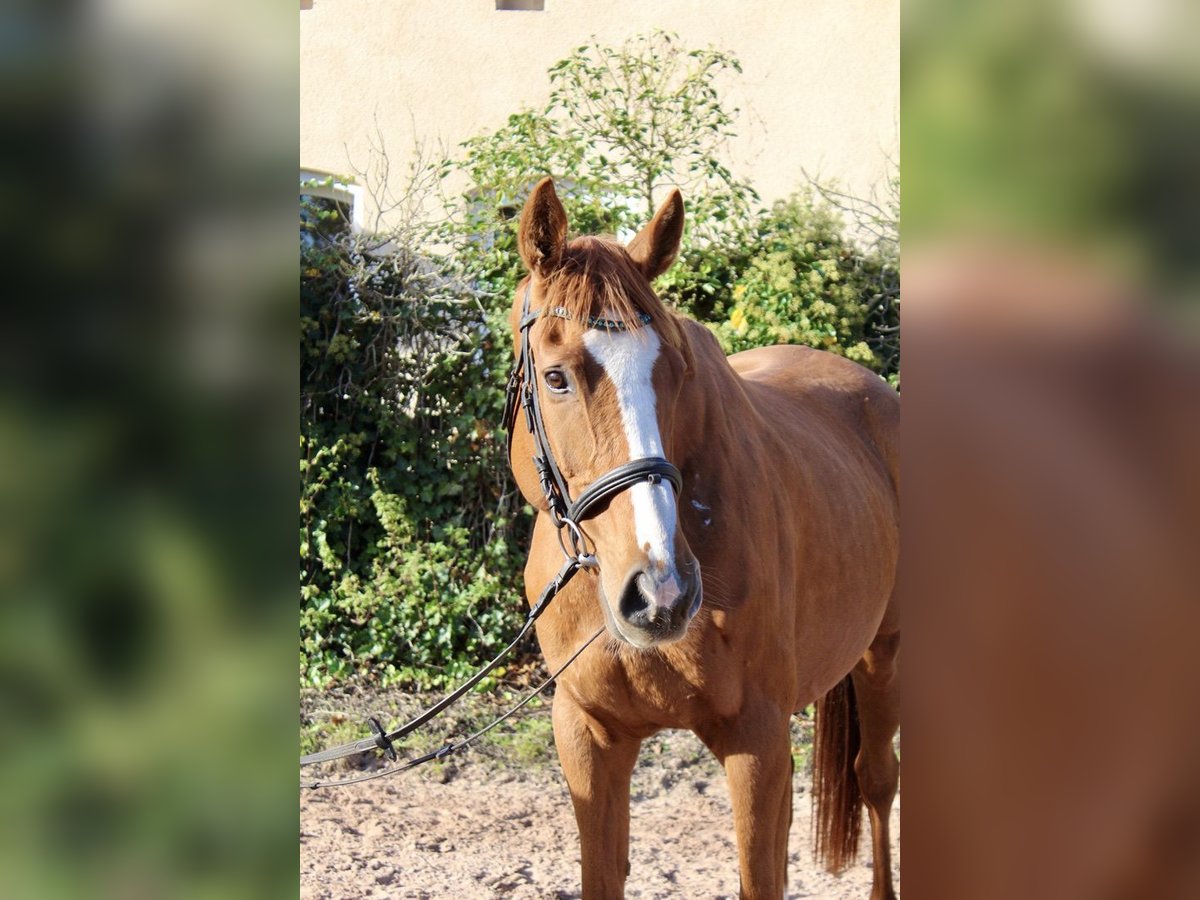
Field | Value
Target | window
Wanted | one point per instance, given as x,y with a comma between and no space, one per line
328,206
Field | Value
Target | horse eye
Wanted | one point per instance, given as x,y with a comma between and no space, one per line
556,381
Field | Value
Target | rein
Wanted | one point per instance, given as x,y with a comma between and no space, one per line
450,746
565,513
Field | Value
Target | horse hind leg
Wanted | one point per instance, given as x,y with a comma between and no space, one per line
876,688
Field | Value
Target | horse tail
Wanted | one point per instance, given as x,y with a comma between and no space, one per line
837,814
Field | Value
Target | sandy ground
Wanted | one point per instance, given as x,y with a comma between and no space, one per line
482,826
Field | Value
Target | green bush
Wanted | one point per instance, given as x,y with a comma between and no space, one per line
805,283
622,125
409,552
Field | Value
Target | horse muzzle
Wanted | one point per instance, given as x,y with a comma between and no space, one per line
655,607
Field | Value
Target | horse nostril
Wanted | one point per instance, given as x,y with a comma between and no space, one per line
657,607
633,605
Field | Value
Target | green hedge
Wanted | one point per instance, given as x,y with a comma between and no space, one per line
410,544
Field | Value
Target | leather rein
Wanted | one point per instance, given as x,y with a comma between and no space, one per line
565,513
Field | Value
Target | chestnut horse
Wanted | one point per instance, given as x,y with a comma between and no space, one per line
764,585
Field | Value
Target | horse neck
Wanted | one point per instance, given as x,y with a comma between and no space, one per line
712,415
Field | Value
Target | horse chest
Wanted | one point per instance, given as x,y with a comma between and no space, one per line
681,685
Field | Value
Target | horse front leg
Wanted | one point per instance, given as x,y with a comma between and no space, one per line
755,749
598,764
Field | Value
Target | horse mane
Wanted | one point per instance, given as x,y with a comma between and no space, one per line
597,277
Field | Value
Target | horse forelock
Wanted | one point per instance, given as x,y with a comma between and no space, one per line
597,277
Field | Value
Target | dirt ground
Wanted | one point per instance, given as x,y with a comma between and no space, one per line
498,823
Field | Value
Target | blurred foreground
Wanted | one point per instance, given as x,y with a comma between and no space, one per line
147,452
1051,498
1051,438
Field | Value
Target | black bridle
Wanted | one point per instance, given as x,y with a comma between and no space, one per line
565,513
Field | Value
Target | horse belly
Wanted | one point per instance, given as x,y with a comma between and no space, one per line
843,589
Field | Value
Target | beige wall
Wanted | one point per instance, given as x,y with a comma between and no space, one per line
819,92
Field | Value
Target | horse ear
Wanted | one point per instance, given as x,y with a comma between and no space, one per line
656,245
542,234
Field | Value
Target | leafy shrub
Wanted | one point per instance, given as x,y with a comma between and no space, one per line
621,126
409,562
805,283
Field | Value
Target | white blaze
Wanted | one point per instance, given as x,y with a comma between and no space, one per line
628,359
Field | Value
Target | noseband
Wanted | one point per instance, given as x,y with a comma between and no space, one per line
565,513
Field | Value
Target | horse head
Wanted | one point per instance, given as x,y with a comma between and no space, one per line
608,363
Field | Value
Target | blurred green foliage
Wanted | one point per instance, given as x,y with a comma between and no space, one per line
412,534
147,423
1057,123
